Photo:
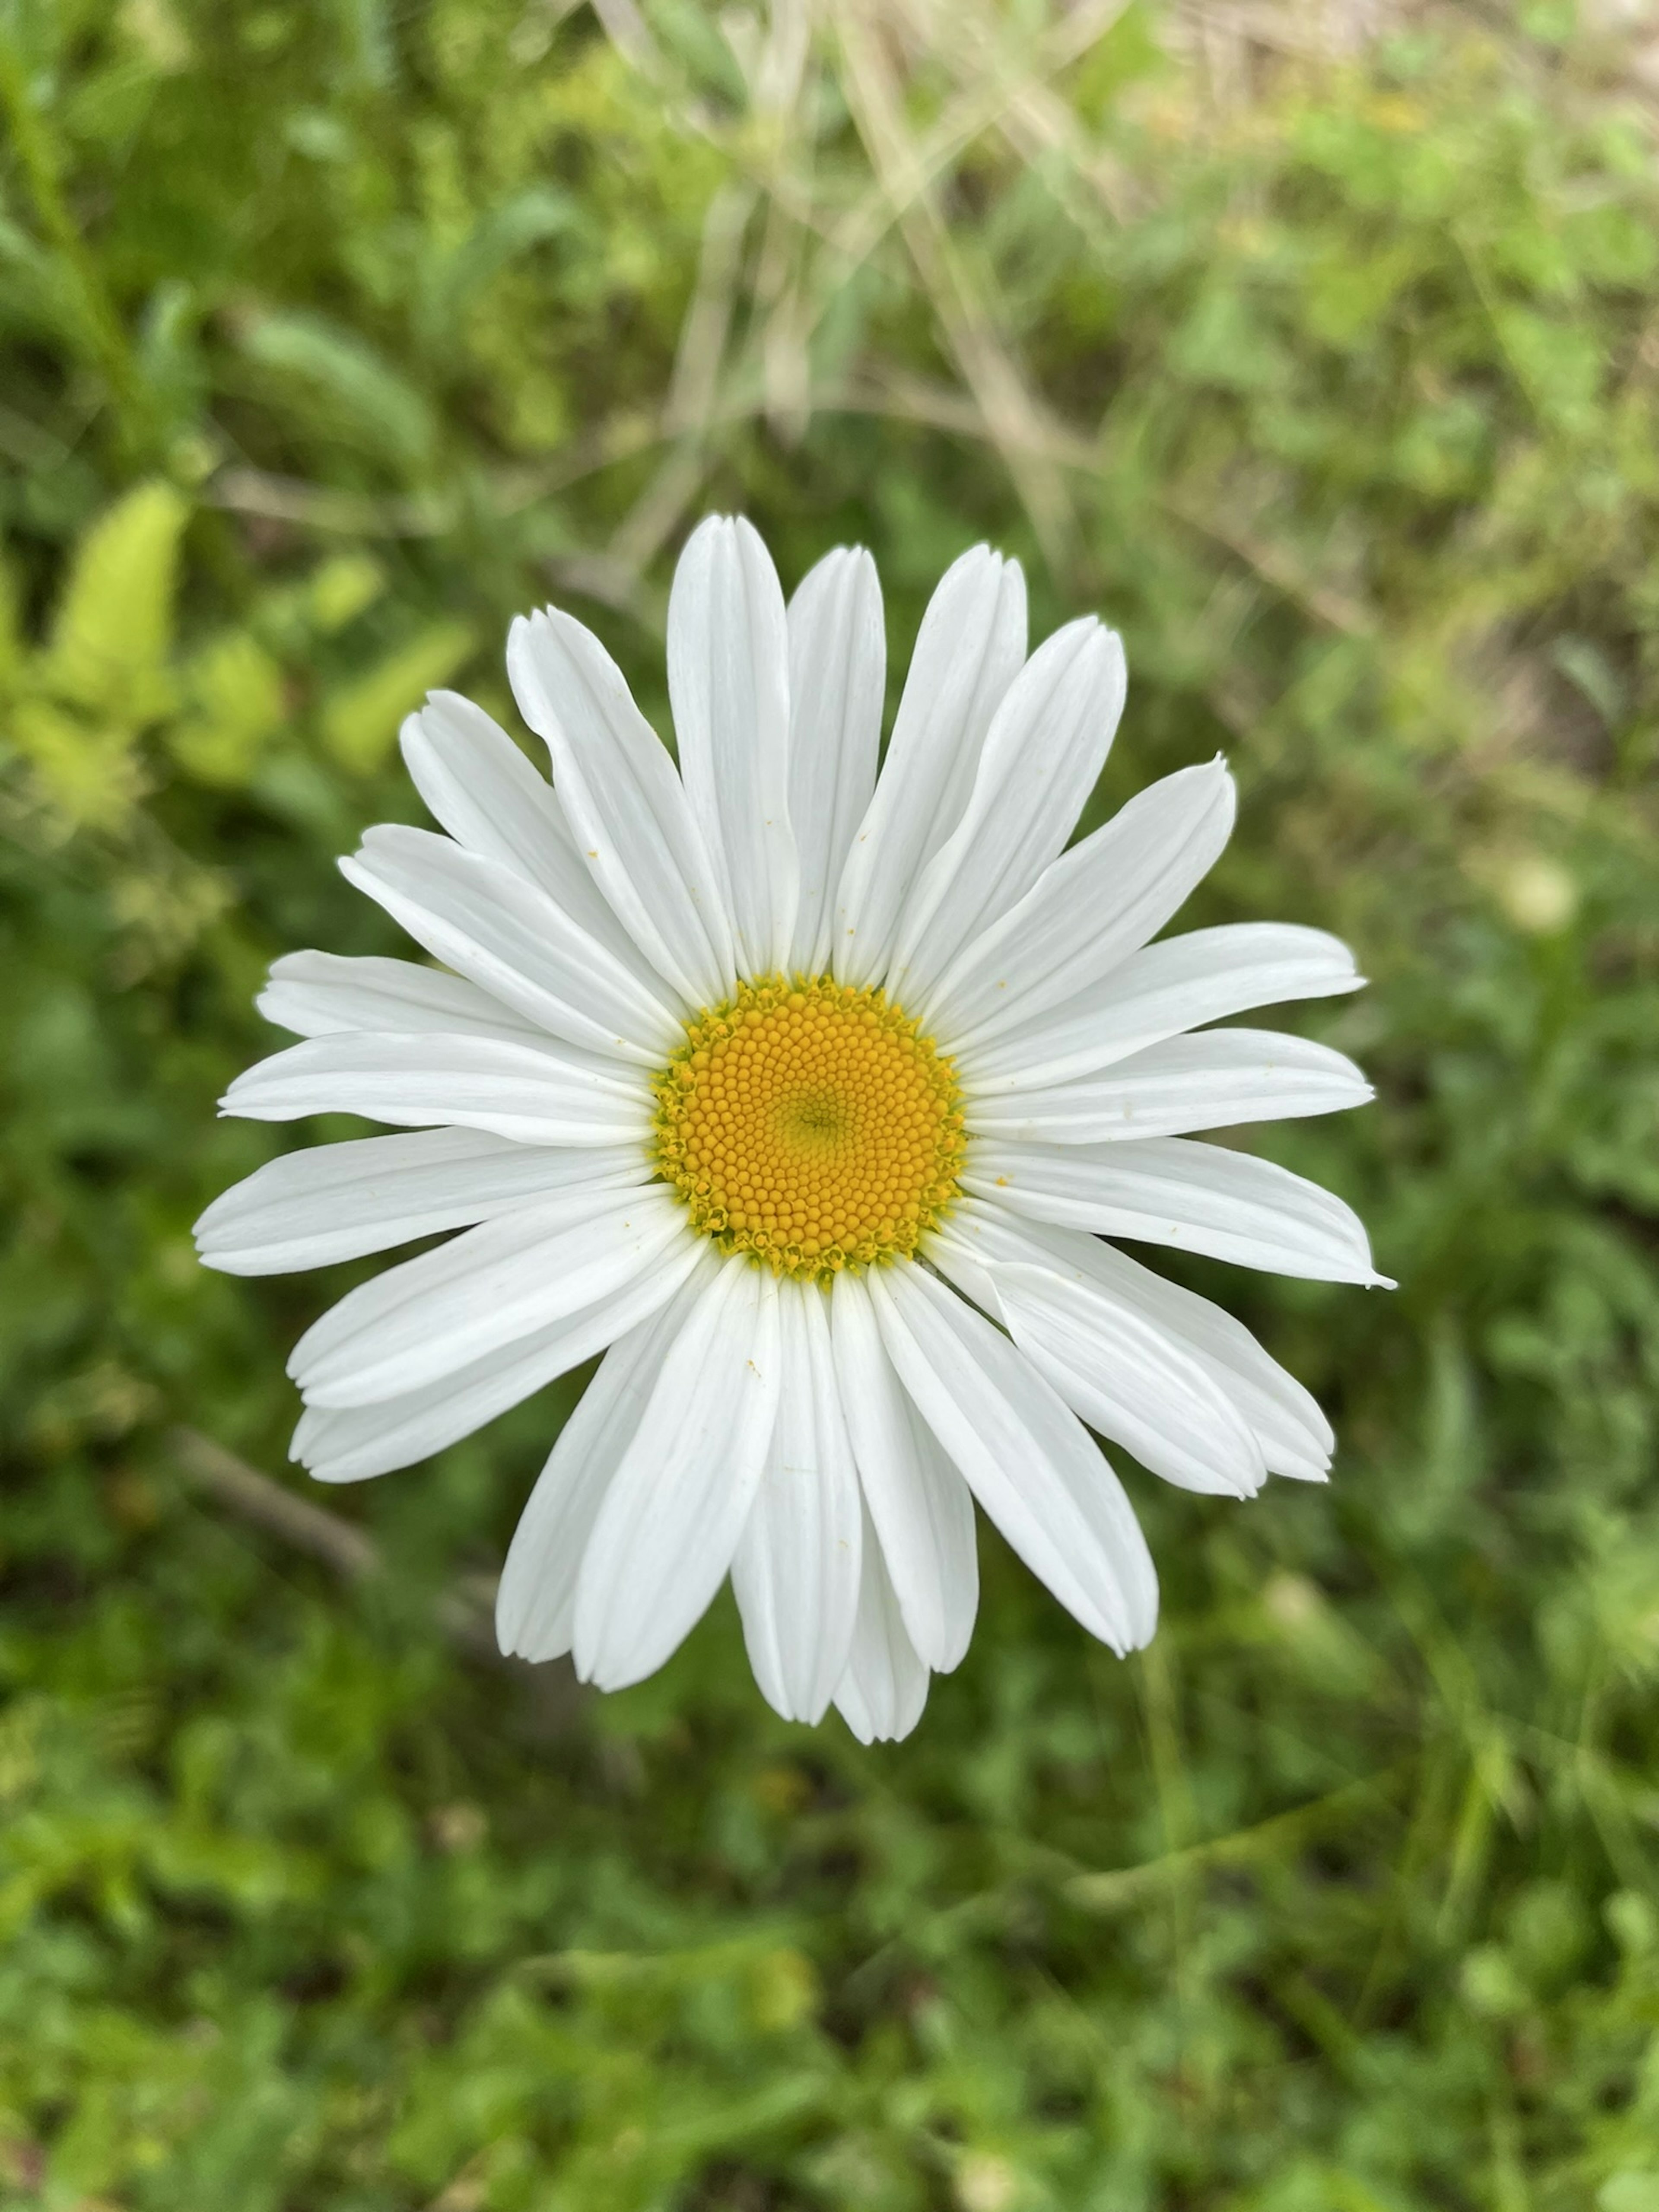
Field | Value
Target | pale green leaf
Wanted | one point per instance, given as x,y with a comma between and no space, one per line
236,703
381,411
112,630
361,720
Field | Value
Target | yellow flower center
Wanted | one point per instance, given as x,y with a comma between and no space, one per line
810,1124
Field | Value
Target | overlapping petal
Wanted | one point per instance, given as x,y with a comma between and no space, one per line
674,1508
625,804
1130,1379
1197,1197
921,1510
1026,1457
1291,1435
488,1286
1214,1080
838,685
1046,746
493,926
522,1091
796,1572
342,1201
536,1602
728,684
1156,992
1097,904
882,1692
969,650
351,1444
323,994
478,785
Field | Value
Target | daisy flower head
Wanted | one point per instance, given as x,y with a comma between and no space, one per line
807,1085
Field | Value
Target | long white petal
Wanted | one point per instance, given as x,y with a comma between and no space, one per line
881,1695
1027,1458
1293,1435
536,1602
489,924
1158,993
837,688
1172,1190
921,1508
349,1443
1095,906
479,786
1213,1080
1115,1368
625,804
340,1201
795,1572
486,1287
1047,744
728,684
322,993
521,1091
969,651
675,1508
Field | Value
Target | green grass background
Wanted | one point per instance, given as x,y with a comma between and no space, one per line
1316,346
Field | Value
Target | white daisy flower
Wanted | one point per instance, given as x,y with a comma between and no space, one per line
807,1093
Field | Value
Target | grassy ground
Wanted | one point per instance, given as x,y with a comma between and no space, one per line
334,331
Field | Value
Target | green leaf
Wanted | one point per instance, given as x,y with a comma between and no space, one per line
361,720
341,589
290,618
12,648
528,219
88,772
112,631
371,402
1636,2190
236,703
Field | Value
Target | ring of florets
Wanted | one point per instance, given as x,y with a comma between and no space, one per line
810,1124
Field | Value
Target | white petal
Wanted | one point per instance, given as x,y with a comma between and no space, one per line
675,1508
921,1508
1214,1080
322,993
728,684
1294,1436
340,1201
1160,991
969,649
492,926
1115,1369
1047,744
1095,906
837,688
349,1443
522,1091
625,804
881,1695
491,798
487,1287
480,787
536,1602
795,1572
1170,1190
1027,1458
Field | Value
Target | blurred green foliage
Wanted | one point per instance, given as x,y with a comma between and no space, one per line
334,333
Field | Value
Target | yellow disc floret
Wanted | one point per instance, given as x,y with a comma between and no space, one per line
811,1124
